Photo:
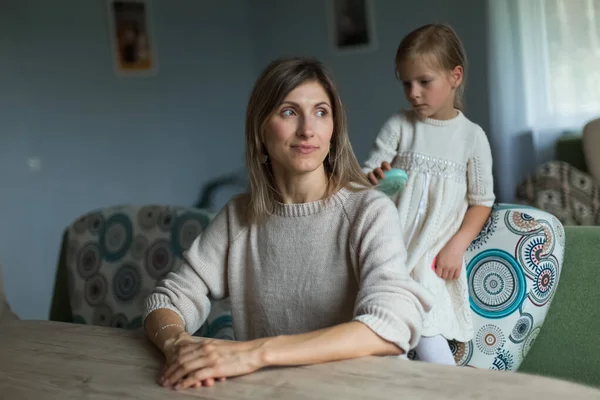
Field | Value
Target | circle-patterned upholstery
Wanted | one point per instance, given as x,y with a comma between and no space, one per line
513,269
116,255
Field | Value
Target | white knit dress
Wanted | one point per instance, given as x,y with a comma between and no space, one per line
449,167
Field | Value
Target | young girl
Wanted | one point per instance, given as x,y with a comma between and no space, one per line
449,192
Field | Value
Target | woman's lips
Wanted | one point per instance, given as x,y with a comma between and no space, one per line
304,148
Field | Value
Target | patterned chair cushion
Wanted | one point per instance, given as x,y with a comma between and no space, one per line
563,190
116,255
513,269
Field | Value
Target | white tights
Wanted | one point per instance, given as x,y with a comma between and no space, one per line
435,349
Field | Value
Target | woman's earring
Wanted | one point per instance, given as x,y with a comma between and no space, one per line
264,159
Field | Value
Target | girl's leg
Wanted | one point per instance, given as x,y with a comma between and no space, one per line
435,349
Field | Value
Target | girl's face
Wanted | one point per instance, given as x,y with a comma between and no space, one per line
430,91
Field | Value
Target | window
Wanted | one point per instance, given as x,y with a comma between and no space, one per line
561,61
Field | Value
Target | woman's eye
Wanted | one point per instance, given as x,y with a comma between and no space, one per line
287,112
321,113
425,83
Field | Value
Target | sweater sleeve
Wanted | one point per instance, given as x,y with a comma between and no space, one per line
479,172
389,301
385,146
202,277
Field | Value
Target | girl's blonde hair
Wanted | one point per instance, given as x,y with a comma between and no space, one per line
270,90
441,43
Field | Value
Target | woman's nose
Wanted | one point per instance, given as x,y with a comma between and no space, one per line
305,128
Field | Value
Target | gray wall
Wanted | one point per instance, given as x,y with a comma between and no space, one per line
103,140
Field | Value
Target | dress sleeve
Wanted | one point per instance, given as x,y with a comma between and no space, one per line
385,146
479,172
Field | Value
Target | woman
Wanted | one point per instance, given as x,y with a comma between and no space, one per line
311,258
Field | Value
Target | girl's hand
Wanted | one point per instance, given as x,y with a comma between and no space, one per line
449,262
377,173
202,361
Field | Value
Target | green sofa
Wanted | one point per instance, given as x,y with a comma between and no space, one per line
569,149
568,346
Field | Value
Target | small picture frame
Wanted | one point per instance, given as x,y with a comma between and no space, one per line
352,26
132,40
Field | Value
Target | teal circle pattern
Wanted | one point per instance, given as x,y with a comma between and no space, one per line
136,323
116,237
522,328
218,325
497,285
186,229
544,282
127,283
504,361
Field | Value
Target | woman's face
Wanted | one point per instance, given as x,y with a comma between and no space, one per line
298,133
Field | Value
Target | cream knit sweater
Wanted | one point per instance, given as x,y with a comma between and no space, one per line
308,266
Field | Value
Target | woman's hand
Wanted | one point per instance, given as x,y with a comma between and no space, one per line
449,261
201,362
377,173
195,362
171,347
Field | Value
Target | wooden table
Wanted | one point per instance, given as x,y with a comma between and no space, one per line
49,360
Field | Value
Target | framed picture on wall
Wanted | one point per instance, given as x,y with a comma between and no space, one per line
351,25
132,41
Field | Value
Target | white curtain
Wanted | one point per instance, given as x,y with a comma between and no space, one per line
544,63
561,47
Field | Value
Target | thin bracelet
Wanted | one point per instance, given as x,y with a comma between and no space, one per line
164,327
